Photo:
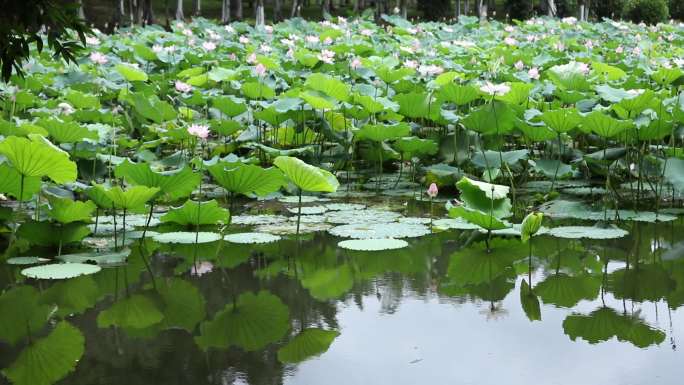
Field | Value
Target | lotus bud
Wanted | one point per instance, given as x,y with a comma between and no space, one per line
530,225
432,191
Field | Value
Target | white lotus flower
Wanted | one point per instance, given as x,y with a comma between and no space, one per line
495,89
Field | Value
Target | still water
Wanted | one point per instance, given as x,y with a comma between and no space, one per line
443,311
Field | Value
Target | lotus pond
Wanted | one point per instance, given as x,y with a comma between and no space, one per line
346,203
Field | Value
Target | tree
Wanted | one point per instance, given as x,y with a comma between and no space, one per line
179,10
435,9
519,9
22,23
225,11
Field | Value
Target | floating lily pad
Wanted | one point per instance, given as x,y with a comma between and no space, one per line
362,216
291,228
309,219
187,237
262,219
308,210
345,206
26,260
380,230
60,270
372,244
454,223
113,258
589,232
249,238
414,220
305,199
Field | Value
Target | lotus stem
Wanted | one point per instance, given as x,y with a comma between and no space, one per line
299,210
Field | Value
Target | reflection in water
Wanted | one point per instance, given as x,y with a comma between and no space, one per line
227,314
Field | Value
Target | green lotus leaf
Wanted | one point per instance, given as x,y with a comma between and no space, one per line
131,73
666,76
251,323
187,237
247,179
519,93
417,105
37,157
329,85
48,234
458,94
152,108
482,219
561,120
27,313
369,104
194,213
82,100
134,312
373,244
491,119
60,270
381,132
390,75
607,72
73,296
133,197
604,125
494,158
318,100
588,232
305,176
65,210
174,184
48,359
309,343
67,132
254,90
10,183
569,76
637,104
674,173
485,197
413,146
553,168
228,106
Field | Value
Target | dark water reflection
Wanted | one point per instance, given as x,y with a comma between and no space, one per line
443,311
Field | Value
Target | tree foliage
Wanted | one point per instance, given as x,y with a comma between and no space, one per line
23,23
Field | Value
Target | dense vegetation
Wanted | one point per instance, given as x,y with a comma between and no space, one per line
155,139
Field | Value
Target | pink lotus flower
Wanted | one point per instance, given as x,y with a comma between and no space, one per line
187,32
312,39
243,40
268,29
201,268
183,87
260,70
327,56
209,46
98,58
533,73
356,63
366,32
510,41
92,40
199,130
157,48
411,64
636,51
519,65
619,50
252,58
432,191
